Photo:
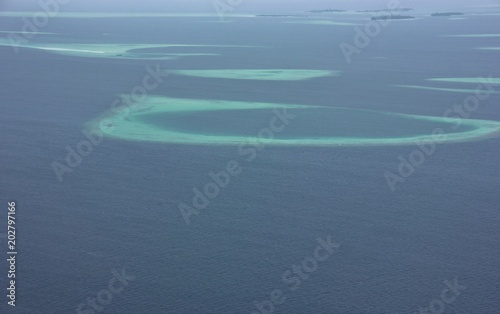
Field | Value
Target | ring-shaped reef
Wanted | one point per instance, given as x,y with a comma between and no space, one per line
215,122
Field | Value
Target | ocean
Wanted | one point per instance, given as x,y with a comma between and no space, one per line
117,211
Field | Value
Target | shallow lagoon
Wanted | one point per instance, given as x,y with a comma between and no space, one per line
192,121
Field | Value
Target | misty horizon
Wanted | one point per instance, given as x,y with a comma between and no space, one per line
254,6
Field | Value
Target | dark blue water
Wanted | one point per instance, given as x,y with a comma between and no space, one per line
119,207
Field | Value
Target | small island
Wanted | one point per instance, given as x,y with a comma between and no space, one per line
447,14
326,11
386,10
392,17
280,15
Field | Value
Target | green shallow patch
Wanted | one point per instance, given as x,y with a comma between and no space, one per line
488,48
475,81
468,80
192,121
441,89
26,33
124,51
258,74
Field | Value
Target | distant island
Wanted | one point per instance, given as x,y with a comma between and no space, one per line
280,15
392,17
386,10
326,11
447,14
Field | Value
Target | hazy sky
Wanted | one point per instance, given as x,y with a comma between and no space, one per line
246,6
